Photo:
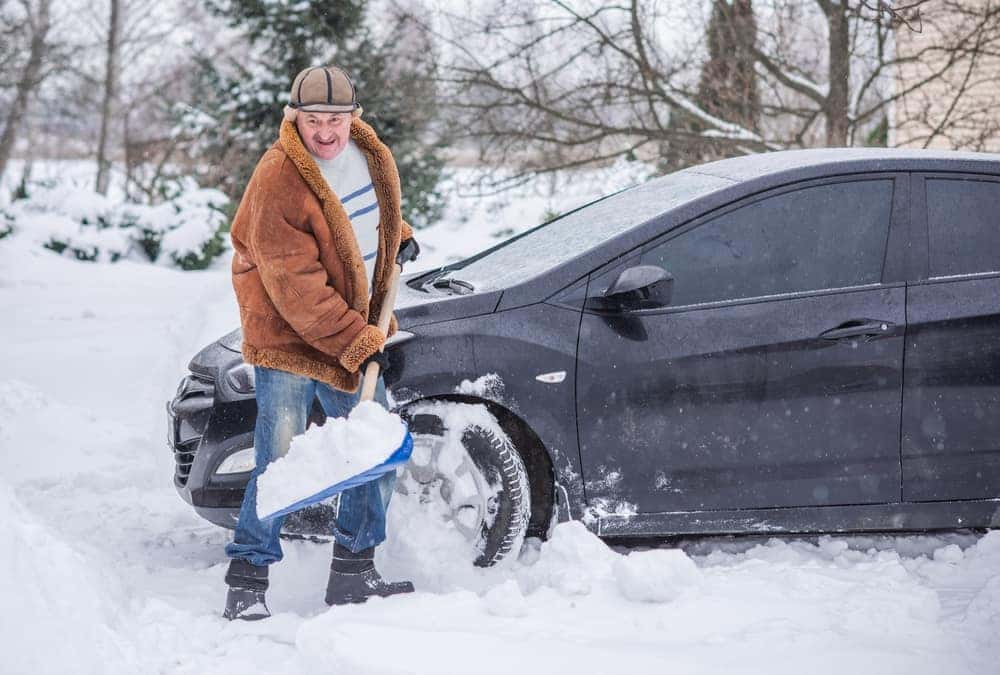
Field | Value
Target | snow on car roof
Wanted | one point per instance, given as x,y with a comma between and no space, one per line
870,159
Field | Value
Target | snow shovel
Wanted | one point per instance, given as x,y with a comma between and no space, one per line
288,490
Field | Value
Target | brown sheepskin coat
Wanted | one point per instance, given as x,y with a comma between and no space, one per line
297,270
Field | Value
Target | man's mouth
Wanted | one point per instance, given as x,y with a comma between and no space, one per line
329,142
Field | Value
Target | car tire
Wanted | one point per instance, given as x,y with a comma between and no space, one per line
495,519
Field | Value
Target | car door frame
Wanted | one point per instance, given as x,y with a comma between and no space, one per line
919,273
897,262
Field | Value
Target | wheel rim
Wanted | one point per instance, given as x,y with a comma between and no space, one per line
449,480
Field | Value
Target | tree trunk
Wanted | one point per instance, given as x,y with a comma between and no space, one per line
21,192
28,81
836,108
110,96
129,158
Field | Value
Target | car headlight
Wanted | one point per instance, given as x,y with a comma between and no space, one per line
241,378
238,462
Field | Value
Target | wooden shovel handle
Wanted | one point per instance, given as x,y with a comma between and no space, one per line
384,317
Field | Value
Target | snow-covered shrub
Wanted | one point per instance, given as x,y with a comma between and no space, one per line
186,231
194,235
70,221
91,244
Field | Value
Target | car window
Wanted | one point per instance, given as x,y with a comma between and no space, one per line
963,221
528,255
825,236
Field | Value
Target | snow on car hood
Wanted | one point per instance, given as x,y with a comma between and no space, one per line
414,307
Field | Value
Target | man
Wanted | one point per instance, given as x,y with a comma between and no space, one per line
318,226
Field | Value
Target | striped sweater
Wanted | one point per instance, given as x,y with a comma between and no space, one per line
348,177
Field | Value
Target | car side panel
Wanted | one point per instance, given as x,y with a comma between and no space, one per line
951,394
433,362
951,429
742,406
498,358
525,344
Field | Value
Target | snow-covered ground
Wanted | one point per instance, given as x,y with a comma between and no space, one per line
104,569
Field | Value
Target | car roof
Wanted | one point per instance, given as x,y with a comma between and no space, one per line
827,161
725,181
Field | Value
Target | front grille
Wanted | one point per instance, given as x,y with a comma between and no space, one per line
187,417
183,459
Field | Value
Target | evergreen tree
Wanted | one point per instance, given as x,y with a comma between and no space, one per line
727,87
243,101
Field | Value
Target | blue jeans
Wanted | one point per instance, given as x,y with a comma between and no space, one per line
283,403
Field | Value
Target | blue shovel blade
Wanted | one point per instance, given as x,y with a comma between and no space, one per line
400,456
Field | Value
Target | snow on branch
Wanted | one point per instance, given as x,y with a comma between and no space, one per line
720,128
814,90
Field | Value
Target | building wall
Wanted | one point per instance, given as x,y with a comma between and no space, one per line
938,114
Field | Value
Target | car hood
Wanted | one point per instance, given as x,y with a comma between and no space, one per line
413,308
418,307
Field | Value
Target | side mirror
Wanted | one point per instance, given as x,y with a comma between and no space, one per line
640,287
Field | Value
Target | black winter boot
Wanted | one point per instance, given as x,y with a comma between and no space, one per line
353,578
247,584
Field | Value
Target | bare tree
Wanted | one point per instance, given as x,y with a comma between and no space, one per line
108,104
865,73
553,85
36,24
127,97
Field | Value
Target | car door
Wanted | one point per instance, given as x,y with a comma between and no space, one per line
773,377
951,401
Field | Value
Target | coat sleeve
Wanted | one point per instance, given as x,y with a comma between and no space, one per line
287,257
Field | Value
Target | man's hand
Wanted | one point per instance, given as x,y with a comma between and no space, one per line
408,251
379,357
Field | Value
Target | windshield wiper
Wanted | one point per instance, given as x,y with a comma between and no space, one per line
422,281
456,286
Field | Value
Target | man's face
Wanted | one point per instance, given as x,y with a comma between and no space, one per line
324,134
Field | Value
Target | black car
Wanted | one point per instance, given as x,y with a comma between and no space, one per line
803,341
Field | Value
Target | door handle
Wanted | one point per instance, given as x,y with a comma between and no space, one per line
866,328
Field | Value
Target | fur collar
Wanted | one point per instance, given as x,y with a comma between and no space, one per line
385,178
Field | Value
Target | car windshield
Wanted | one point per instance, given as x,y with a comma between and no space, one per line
529,254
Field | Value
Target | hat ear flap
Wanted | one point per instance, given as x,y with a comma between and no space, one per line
290,113
357,111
